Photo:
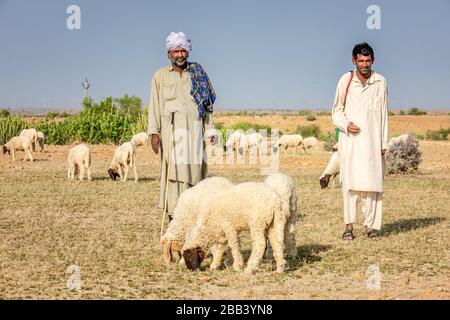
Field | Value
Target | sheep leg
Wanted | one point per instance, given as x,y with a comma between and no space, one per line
258,248
81,173
13,155
125,172
289,236
233,243
28,153
276,238
217,256
89,176
135,170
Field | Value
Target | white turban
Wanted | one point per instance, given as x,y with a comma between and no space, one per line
179,39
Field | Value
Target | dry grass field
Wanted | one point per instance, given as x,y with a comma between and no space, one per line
110,231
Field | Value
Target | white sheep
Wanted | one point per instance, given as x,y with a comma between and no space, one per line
232,143
186,212
32,134
243,145
254,141
41,140
19,143
140,139
285,187
124,157
331,171
397,140
249,206
290,141
79,161
310,143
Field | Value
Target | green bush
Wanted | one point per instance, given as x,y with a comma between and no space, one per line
308,131
311,117
304,112
246,126
391,113
440,134
402,113
4,113
416,112
11,127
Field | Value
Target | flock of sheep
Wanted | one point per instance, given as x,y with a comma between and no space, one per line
209,216
79,157
253,142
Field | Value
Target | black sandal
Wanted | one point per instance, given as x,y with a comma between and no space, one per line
348,235
372,233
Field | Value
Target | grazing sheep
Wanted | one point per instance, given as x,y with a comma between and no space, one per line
32,134
403,156
41,140
123,158
285,187
331,171
19,143
140,139
397,140
248,206
243,144
310,143
254,142
290,141
232,143
79,161
186,212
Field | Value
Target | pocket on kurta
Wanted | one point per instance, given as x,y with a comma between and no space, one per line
374,104
169,92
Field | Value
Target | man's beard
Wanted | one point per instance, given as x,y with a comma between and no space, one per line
181,63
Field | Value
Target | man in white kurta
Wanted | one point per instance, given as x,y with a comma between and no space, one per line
363,139
170,97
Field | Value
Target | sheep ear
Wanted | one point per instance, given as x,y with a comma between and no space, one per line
111,174
191,259
167,252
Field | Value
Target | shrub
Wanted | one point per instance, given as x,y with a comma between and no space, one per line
247,126
416,112
402,113
310,117
441,134
308,131
11,127
391,113
304,112
4,113
403,157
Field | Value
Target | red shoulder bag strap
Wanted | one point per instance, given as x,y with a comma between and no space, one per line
348,86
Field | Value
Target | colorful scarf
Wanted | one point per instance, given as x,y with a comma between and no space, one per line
202,90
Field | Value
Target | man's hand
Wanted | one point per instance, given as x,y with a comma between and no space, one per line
353,128
155,143
213,139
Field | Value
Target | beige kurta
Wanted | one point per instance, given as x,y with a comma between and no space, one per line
170,93
362,165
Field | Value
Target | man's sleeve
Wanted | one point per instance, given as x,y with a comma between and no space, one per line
154,109
338,112
384,120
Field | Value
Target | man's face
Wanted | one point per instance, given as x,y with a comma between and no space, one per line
178,56
363,64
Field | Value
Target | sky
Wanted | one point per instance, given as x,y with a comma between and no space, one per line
266,54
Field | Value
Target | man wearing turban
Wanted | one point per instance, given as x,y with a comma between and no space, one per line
180,111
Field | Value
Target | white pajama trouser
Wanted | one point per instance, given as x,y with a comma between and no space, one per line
371,205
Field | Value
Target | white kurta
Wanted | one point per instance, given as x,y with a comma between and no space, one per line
362,165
